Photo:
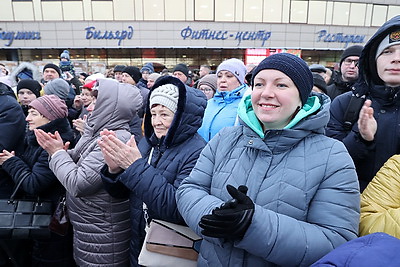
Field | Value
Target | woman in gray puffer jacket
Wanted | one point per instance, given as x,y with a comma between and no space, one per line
100,222
289,194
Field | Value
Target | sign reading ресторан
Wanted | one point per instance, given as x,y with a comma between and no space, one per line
325,36
239,36
10,36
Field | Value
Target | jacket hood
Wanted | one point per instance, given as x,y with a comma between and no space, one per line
188,117
116,105
6,90
313,117
367,66
25,65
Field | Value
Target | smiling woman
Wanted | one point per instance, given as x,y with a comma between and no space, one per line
265,185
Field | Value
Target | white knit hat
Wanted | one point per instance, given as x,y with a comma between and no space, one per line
166,95
392,38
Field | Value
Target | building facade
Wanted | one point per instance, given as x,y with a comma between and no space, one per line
103,33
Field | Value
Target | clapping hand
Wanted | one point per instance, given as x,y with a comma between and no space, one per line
50,142
232,219
366,122
5,155
80,124
118,156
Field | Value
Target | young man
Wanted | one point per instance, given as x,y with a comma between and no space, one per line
375,137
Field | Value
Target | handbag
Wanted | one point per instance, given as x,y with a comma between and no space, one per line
24,218
59,222
169,244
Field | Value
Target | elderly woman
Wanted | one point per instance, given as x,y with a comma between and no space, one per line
275,190
221,110
100,222
152,171
48,113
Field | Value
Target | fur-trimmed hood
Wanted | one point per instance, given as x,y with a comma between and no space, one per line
25,65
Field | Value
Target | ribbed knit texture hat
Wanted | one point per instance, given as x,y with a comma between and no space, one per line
166,95
210,80
65,54
52,66
58,87
147,67
235,66
319,82
351,51
29,84
134,72
182,68
294,67
50,106
392,38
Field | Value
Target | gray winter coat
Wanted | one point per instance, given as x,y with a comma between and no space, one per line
303,184
101,223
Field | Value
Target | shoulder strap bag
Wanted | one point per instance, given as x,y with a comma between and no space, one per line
24,218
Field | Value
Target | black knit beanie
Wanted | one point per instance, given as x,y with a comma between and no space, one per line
134,72
32,85
182,68
294,67
52,66
354,50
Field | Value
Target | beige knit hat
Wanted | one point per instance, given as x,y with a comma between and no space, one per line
166,95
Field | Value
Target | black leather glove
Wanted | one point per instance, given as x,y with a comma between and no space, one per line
232,219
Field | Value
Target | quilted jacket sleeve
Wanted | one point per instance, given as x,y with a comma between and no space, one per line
79,180
380,201
194,197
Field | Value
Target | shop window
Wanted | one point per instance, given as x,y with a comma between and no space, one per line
341,13
153,9
225,10
393,11
272,11
298,11
175,10
379,13
204,10
252,10
316,12
357,14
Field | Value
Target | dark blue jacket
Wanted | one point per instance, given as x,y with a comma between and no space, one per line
33,163
172,160
370,156
12,125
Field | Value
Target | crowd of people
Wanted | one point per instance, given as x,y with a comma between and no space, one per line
279,163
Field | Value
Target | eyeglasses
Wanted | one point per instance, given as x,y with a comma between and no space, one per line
206,90
349,61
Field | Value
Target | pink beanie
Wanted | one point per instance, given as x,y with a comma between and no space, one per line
50,106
